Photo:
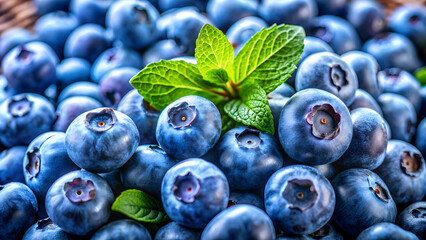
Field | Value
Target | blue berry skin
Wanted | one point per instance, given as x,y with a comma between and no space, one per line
173,231
58,24
70,108
5,89
362,200
79,202
242,154
395,80
315,127
332,7
101,140
327,71
294,12
242,30
224,13
240,222
285,90
72,70
86,89
400,114
87,41
246,198
393,50
164,5
369,141
162,50
189,127
133,23
45,229
47,6
404,171
325,233
143,115
422,112
193,192
23,117
122,229
386,231
328,170
30,67
146,169
412,219
337,32
11,165
115,84
114,58
299,199
45,162
366,69
364,100
368,18
18,208
114,181
90,11
14,37
276,104
421,137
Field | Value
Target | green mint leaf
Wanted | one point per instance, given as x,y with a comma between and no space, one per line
214,52
269,57
420,74
253,108
227,122
163,82
140,206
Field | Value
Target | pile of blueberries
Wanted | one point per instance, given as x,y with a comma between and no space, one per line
346,160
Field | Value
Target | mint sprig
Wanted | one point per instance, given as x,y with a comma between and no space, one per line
238,86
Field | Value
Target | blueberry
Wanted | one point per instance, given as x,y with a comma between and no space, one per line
101,140
165,5
413,219
327,71
45,229
11,165
86,89
133,23
122,229
422,112
337,32
115,84
72,70
18,208
400,114
364,100
328,170
87,41
421,137
246,198
173,231
5,89
30,67
325,233
276,104
54,29
224,13
388,231
315,127
362,200
143,115
189,127
395,80
295,12
146,168
193,192
366,69
242,30
242,156
284,90
90,11
404,171
14,37
23,117
369,141
240,222
114,181
368,18
333,7
393,50
162,50
46,6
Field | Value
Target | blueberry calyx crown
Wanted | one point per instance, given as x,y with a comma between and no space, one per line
182,115
33,166
156,149
100,121
300,194
414,19
45,224
141,14
378,190
392,74
410,163
324,121
20,106
249,138
320,233
231,203
338,76
323,33
111,55
79,190
24,55
419,212
186,188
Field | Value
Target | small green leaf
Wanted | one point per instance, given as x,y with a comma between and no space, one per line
140,206
269,57
421,76
227,122
213,52
253,108
163,82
